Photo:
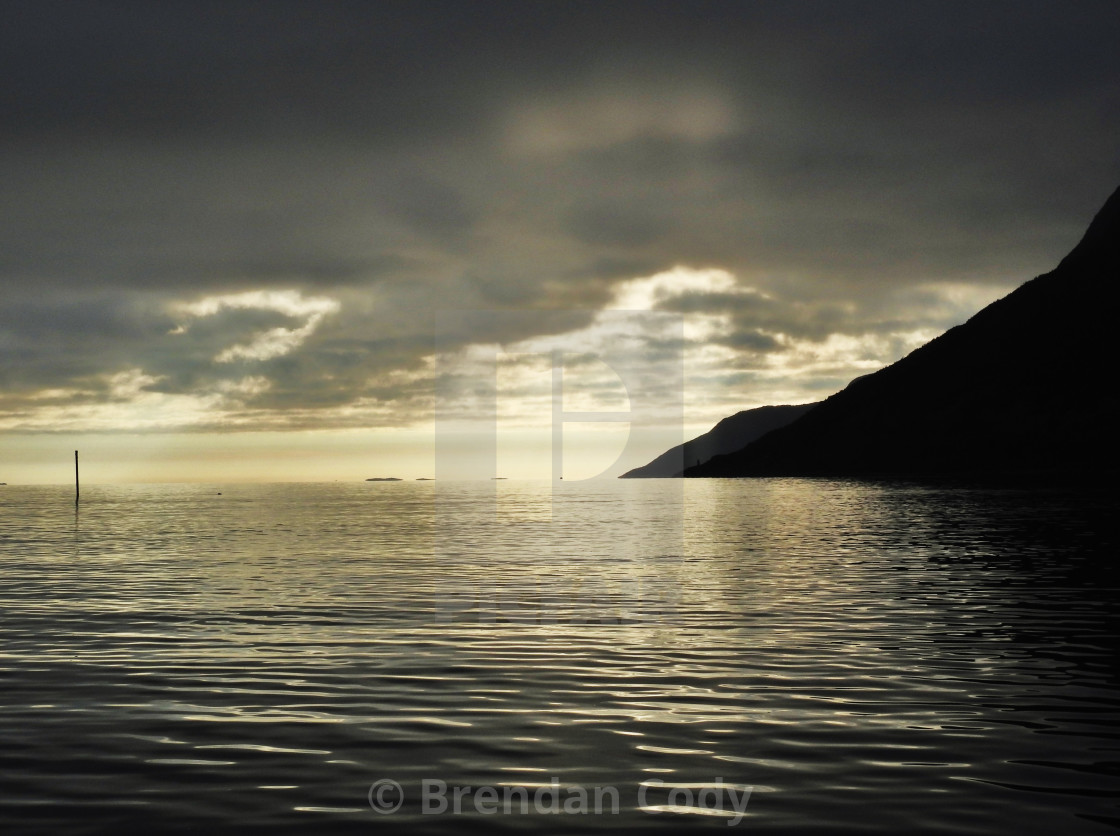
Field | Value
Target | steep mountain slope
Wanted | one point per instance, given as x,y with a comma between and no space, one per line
1026,387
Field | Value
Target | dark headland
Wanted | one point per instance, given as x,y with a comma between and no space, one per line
384,479
1024,389
728,435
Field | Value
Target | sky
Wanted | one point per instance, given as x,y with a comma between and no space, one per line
280,241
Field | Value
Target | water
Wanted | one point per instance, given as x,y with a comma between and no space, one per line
863,658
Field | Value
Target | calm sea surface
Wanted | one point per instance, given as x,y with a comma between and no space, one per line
860,658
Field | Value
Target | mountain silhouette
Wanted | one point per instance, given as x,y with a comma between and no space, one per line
730,434
1025,388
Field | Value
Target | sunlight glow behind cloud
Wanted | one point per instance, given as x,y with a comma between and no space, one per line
643,293
580,121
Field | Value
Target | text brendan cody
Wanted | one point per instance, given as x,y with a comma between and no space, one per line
653,796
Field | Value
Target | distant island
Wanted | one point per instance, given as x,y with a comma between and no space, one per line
384,479
1022,389
424,479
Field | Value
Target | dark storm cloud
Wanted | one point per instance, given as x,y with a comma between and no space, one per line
49,342
627,225
401,157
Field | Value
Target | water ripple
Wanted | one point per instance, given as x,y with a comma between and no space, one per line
863,658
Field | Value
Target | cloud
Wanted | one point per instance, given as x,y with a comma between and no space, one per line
578,122
265,345
646,293
298,190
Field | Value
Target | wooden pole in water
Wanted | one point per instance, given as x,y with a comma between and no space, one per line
77,491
